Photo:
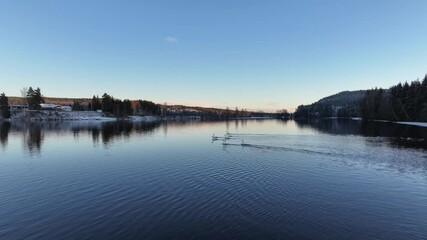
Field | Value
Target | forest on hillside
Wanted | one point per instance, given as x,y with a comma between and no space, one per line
343,104
402,102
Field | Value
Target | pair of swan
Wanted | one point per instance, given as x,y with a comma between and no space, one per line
226,136
242,143
224,139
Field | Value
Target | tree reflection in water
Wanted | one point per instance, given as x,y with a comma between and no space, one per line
108,132
34,133
4,133
34,138
396,134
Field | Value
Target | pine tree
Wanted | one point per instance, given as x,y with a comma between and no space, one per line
148,108
107,103
77,106
29,97
423,100
127,107
34,98
95,104
4,106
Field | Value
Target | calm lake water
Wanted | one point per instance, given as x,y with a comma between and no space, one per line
330,179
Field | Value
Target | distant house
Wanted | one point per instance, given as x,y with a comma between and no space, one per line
47,106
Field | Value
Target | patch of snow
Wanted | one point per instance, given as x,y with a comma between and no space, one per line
419,124
143,118
44,115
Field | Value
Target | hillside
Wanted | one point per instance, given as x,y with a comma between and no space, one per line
343,98
343,104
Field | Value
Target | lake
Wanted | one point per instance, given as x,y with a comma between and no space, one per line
327,179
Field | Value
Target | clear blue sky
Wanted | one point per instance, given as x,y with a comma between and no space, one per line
262,54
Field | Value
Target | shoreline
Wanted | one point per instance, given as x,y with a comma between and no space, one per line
418,124
51,116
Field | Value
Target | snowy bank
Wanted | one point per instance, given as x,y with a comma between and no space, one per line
51,115
46,115
418,124
143,118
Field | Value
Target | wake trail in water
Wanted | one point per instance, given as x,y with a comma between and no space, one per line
290,149
256,134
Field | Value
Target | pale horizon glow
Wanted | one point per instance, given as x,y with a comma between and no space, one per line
258,55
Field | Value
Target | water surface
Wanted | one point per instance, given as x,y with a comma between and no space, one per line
332,179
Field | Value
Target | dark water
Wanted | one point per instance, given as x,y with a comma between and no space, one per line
293,180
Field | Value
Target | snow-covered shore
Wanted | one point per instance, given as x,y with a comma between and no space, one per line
419,124
43,115
143,118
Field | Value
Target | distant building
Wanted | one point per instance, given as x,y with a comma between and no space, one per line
56,107
48,106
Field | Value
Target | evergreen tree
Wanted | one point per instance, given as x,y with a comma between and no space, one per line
4,106
30,93
148,108
227,113
95,104
117,107
423,97
107,103
77,106
371,104
127,107
34,98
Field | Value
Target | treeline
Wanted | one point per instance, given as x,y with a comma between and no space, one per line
117,107
107,103
326,111
283,114
148,108
206,113
313,111
402,102
229,114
